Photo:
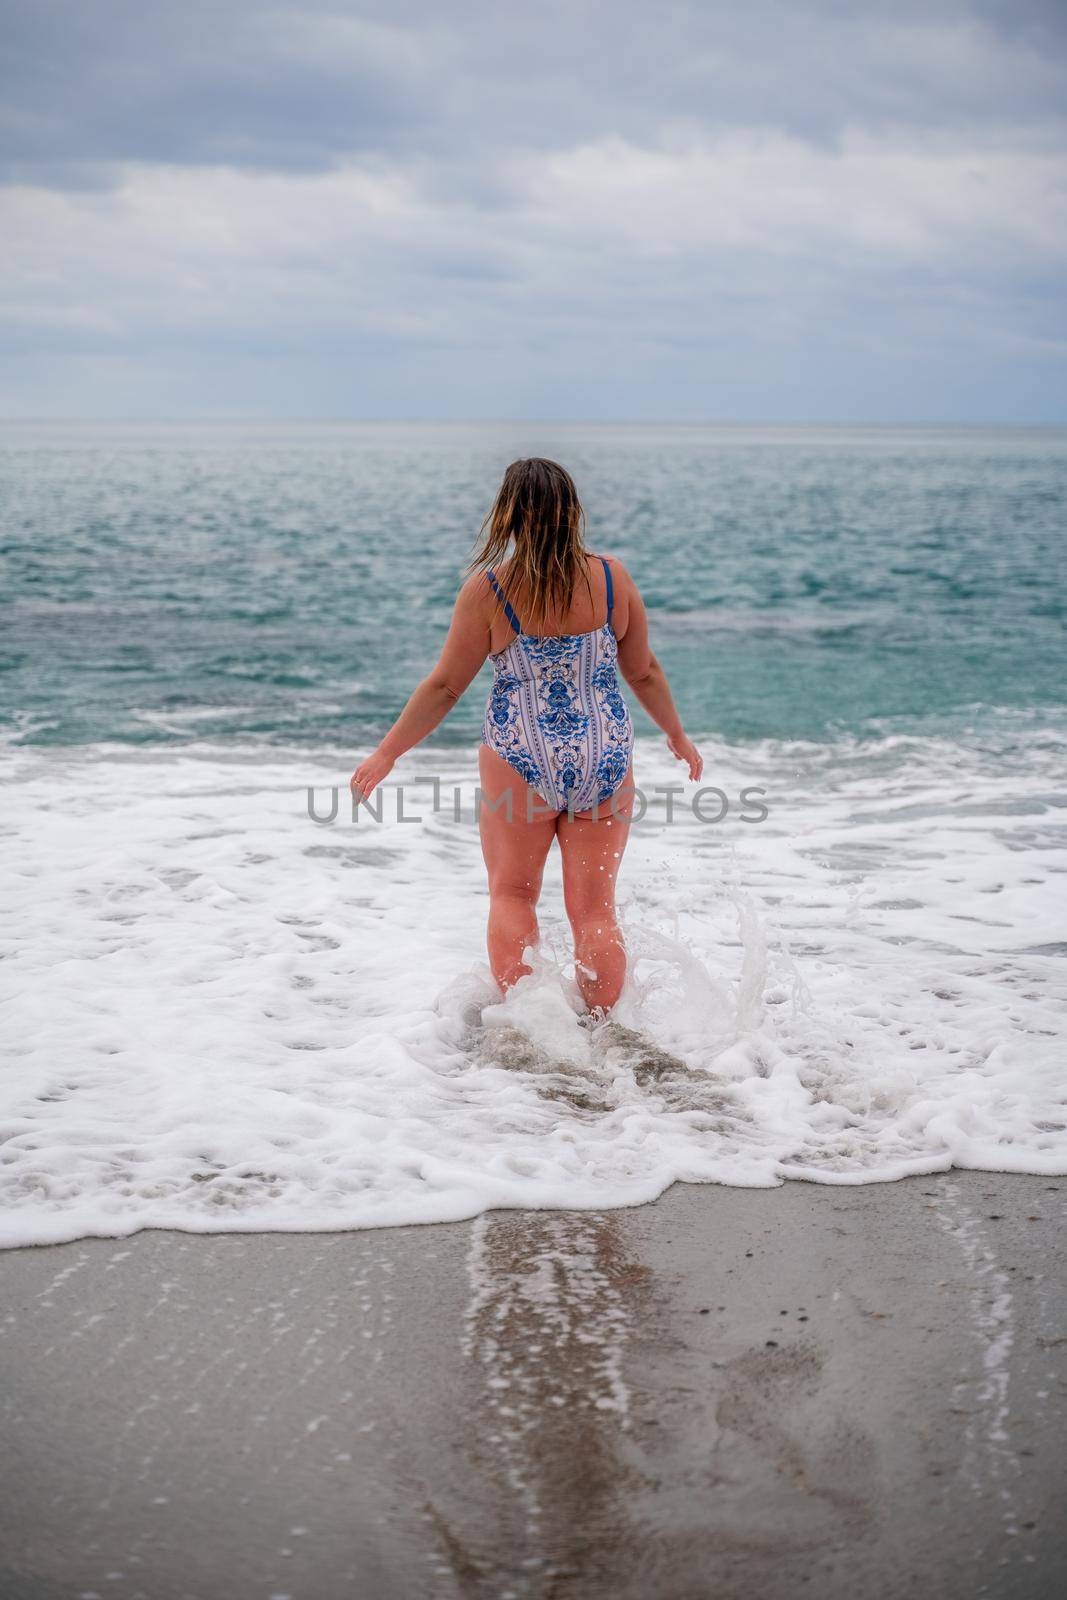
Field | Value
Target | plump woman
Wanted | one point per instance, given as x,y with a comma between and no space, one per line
559,624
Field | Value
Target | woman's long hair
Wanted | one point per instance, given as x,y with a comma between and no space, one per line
537,506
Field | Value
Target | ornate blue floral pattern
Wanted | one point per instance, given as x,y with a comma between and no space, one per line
557,716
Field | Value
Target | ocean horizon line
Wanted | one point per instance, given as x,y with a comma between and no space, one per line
534,422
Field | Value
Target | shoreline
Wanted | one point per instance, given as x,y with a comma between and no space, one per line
726,1391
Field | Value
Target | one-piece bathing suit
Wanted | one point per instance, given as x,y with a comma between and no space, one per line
556,714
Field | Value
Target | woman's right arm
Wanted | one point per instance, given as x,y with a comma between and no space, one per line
462,655
647,678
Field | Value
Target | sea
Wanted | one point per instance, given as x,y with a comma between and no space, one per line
231,1004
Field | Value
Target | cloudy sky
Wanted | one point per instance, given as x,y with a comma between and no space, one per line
694,209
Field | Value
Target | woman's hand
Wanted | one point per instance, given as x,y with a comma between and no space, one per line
369,774
684,749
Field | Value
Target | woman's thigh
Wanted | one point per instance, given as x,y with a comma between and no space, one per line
592,845
515,825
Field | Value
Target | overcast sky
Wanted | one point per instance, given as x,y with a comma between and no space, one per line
735,209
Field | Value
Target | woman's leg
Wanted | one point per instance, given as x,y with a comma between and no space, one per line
515,849
592,854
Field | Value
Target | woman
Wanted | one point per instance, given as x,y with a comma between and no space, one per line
555,762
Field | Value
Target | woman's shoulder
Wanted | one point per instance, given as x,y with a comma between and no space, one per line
619,572
476,592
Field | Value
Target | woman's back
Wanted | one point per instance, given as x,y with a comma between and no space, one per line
555,714
587,611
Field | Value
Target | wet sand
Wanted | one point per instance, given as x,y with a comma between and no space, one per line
738,1394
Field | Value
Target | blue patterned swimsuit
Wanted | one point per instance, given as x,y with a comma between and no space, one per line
555,712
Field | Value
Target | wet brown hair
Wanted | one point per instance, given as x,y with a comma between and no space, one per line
537,506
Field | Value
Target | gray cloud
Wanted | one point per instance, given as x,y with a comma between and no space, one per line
297,88
247,85
705,209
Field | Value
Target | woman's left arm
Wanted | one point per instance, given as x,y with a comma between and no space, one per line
462,656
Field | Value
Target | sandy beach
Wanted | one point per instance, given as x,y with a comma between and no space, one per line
738,1393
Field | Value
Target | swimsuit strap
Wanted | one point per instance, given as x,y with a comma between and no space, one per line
611,592
498,591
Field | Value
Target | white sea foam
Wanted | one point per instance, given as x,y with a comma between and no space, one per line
221,1015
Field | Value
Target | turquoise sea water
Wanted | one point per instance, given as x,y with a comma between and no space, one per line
170,582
